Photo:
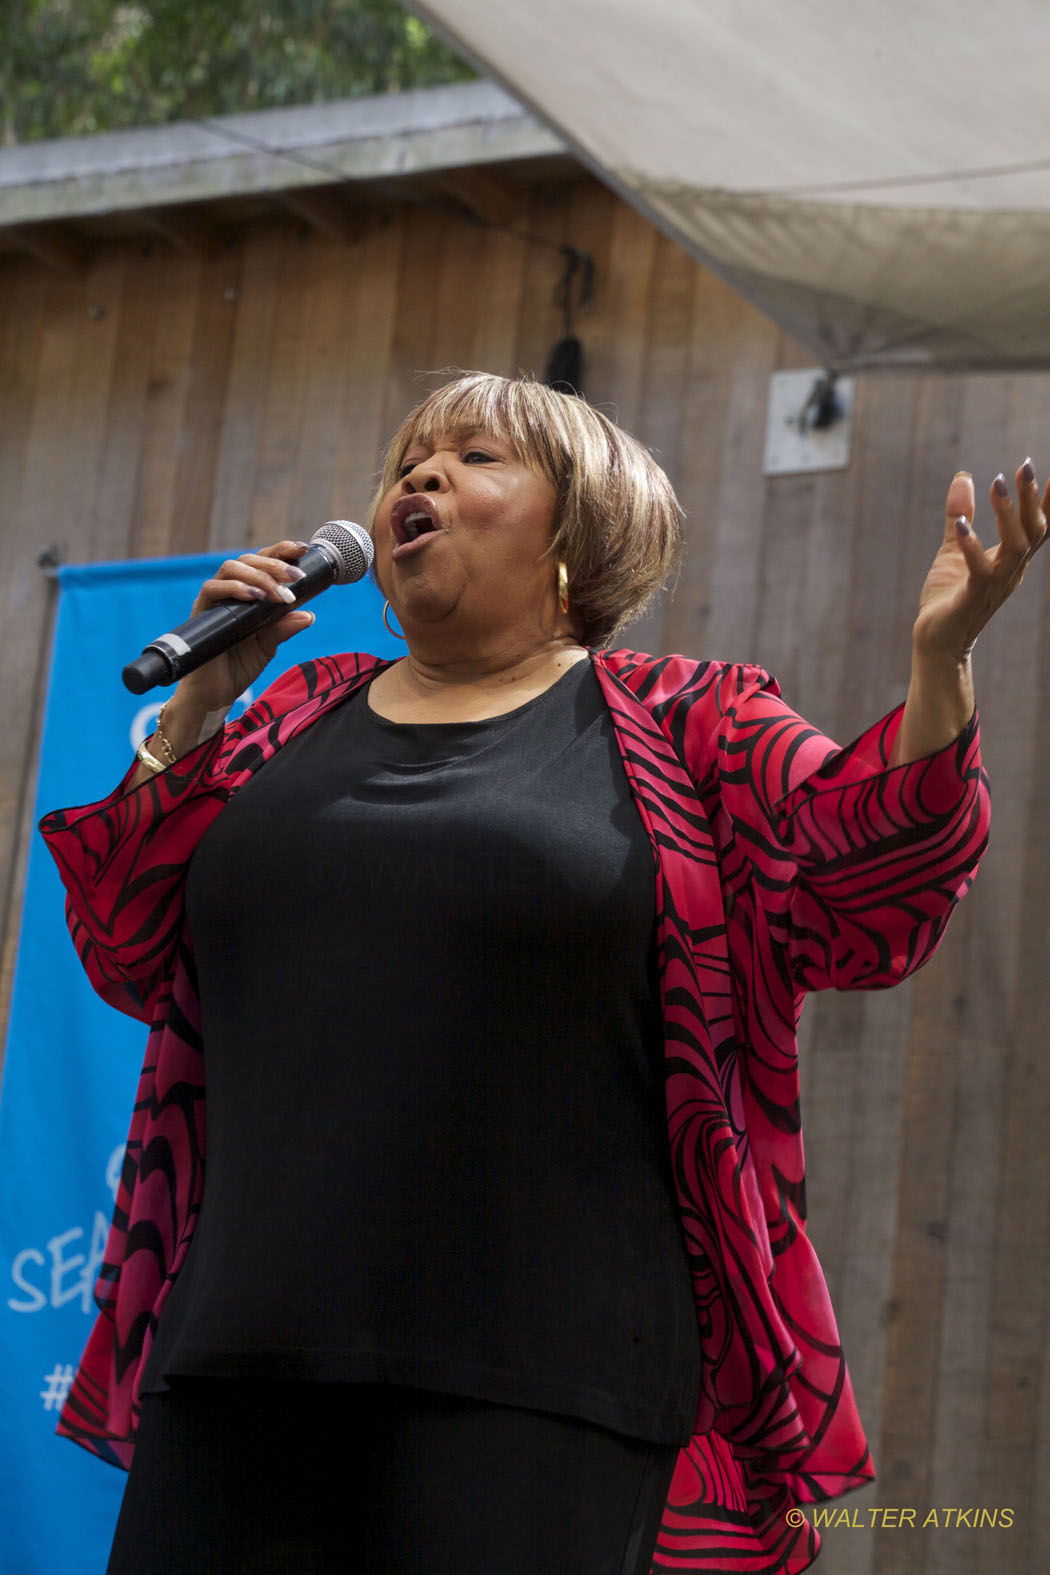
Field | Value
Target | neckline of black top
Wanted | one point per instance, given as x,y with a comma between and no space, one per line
482,722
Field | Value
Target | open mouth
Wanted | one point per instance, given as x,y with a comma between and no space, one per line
411,519
414,525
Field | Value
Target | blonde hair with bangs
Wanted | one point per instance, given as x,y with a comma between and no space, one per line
617,523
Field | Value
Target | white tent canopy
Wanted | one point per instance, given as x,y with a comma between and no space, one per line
875,175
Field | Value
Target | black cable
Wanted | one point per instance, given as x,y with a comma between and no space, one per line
389,188
869,183
873,183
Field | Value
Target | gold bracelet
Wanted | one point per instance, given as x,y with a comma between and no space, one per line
165,747
143,756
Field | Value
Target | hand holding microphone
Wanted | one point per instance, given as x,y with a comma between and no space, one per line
239,618
248,595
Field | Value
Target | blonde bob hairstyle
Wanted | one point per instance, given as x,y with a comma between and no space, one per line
617,522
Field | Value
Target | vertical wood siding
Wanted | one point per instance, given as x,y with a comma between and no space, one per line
160,404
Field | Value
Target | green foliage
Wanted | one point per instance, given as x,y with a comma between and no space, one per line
73,66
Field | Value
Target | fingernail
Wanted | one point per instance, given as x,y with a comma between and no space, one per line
963,526
285,593
293,573
968,474
311,617
303,546
256,593
999,484
1028,470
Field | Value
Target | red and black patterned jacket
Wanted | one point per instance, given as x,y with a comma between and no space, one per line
782,864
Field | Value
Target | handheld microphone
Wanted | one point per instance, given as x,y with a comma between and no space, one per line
339,553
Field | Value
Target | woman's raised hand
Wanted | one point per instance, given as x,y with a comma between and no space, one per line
966,585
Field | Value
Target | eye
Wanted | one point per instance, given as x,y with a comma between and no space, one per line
405,467
479,456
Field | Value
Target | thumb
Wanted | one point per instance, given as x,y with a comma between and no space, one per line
960,500
291,623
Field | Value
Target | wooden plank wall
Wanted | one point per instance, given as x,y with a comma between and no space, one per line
160,403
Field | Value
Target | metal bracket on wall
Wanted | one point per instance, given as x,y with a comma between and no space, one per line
809,422
49,560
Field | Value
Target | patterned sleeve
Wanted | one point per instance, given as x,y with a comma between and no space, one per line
856,865
123,863
883,856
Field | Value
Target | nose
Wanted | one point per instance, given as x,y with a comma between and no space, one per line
426,476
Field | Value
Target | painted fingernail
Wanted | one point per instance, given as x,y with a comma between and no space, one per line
256,593
1000,486
1028,470
293,573
303,546
285,593
963,526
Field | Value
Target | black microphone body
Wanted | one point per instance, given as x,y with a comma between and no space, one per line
338,553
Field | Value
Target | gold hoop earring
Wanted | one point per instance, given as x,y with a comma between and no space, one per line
563,587
390,629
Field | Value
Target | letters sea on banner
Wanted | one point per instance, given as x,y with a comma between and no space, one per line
66,1267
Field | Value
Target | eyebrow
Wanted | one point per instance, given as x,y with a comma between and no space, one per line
459,435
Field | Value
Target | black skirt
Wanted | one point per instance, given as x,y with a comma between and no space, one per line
283,1478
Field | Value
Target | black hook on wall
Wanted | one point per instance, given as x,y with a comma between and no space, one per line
575,289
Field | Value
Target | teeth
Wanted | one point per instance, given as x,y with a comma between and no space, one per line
415,524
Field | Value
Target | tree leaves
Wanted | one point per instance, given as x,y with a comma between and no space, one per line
75,66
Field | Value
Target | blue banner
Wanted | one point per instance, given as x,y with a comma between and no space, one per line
72,1064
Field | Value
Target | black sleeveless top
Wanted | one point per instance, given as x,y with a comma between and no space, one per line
436,1137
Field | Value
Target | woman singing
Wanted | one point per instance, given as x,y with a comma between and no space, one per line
491,1255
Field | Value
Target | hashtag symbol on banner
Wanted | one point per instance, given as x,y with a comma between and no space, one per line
58,1382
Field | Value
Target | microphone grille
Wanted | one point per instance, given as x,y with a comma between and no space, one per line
353,548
